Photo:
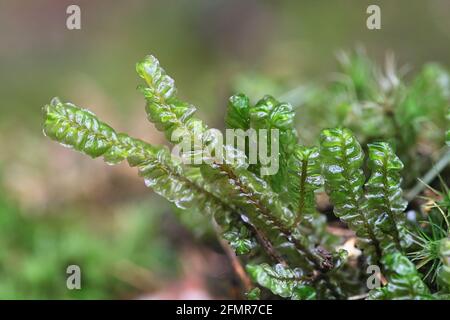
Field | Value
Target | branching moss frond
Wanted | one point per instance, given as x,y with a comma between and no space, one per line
248,190
305,179
80,129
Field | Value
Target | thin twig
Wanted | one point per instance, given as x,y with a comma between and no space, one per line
429,176
359,296
235,263
268,246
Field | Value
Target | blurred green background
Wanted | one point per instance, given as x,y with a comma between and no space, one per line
59,208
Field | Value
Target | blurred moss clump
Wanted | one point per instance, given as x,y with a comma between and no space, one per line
380,102
115,259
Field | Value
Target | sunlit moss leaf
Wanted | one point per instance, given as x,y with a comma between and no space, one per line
270,114
342,158
80,129
163,107
238,112
385,203
282,281
404,282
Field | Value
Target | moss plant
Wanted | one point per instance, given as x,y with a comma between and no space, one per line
271,221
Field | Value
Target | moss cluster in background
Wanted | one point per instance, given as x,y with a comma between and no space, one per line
36,250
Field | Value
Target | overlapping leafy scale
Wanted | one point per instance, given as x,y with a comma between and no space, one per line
282,281
163,107
80,129
248,192
260,206
240,239
342,158
384,200
270,113
252,212
404,282
77,128
240,236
